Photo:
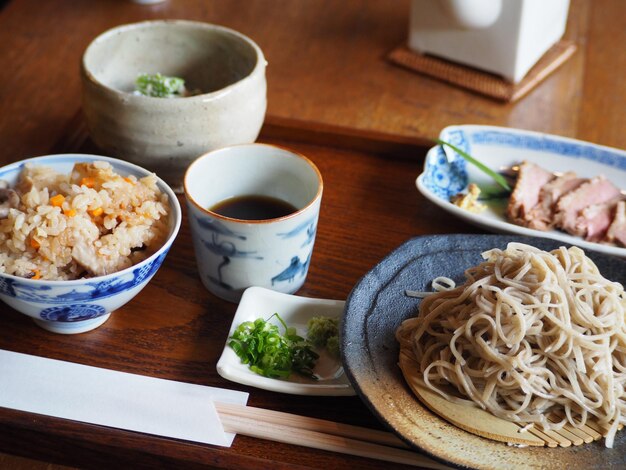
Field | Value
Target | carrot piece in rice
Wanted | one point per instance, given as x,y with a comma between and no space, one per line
96,212
58,200
88,181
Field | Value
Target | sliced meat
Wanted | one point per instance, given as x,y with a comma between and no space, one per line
617,230
81,171
598,190
525,196
85,255
9,199
594,221
542,215
89,174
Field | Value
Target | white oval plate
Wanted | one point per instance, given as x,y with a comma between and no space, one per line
501,147
258,302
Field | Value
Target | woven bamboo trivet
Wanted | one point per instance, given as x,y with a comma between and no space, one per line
481,82
484,424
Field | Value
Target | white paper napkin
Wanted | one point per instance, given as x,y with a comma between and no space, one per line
116,399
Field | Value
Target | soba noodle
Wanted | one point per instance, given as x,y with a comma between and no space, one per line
532,337
439,284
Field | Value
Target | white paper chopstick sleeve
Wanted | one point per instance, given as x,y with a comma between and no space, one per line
116,399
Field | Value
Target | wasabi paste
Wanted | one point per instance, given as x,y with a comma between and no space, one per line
323,332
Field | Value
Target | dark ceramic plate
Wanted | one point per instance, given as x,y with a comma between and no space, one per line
374,310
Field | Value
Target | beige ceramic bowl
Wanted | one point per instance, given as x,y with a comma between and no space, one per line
166,134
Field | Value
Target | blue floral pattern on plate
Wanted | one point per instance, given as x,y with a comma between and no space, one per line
446,171
445,178
546,143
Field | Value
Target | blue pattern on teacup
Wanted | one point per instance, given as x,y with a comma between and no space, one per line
227,248
73,312
216,227
222,242
295,269
221,247
311,228
225,243
60,294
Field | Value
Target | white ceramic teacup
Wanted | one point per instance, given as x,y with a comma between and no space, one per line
233,254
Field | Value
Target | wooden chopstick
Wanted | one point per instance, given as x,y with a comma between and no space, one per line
319,434
312,424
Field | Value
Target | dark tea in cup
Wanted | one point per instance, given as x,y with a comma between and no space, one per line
253,207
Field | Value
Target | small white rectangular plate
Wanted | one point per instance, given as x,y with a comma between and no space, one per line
501,147
296,311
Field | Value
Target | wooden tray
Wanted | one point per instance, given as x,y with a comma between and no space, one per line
175,329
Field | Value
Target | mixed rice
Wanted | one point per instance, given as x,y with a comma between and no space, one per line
89,223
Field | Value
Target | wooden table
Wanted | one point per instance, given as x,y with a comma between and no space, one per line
332,96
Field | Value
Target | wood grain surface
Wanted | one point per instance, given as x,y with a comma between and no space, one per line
334,97
327,69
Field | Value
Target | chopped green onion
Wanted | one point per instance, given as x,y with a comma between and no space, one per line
160,86
270,353
496,177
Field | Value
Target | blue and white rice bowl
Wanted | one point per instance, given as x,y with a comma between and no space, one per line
80,305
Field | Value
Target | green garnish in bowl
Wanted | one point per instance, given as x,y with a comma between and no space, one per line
160,86
271,353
